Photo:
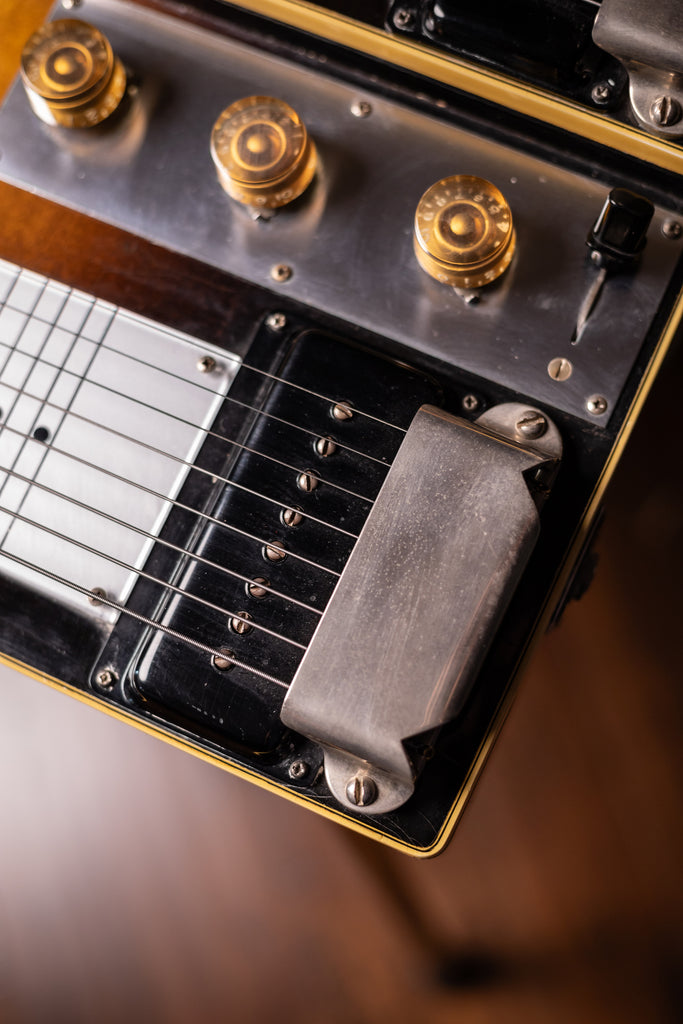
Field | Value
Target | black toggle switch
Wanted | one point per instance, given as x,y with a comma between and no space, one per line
617,238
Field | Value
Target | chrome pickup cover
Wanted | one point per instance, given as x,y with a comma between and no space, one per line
420,598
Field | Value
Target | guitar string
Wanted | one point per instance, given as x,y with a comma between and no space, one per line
178,459
159,540
195,426
188,595
198,344
215,652
173,501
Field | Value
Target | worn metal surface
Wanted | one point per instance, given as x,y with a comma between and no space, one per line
420,598
348,240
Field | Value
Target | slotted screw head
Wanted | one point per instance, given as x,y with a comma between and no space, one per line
325,447
341,411
560,369
291,516
258,587
307,481
531,425
665,111
223,663
361,790
238,625
274,552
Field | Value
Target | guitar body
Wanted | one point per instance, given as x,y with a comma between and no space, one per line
295,505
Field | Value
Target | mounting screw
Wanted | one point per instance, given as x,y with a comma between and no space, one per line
69,5
281,272
665,111
361,108
596,405
470,403
404,18
96,595
106,678
276,321
560,368
298,769
672,229
207,364
601,93
531,425
361,790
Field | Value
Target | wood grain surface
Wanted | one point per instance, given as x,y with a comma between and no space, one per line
138,884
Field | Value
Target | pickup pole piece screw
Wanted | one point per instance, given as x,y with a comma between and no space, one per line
307,481
298,769
531,425
276,321
238,623
207,364
560,368
281,272
361,790
601,93
325,447
223,663
291,516
596,405
106,678
470,403
361,108
672,229
665,111
258,587
275,551
341,411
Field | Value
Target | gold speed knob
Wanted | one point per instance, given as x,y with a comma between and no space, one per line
263,154
71,74
464,234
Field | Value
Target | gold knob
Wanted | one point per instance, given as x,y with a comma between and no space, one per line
71,74
464,234
263,154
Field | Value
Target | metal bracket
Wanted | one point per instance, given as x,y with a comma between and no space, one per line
648,39
419,601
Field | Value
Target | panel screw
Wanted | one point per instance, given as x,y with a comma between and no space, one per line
361,108
238,625
596,405
69,5
95,596
291,516
307,481
361,790
298,769
281,272
672,229
106,678
560,368
601,93
274,552
207,364
276,321
470,403
341,411
403,18
665,111
531,425
223,663
257,588
325,447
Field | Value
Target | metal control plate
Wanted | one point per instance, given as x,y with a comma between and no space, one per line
348,241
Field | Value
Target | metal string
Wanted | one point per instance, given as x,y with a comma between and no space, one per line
172,501
175,458
158,540
195,426
153,579
215,652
